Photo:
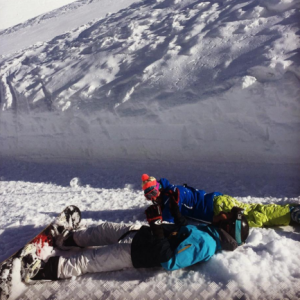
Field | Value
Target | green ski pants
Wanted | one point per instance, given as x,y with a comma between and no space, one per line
258,215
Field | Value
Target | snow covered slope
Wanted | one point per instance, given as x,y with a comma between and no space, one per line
161,80
13,12
47,26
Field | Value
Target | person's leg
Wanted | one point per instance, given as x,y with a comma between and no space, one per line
103,259
258,215
103,234
108,258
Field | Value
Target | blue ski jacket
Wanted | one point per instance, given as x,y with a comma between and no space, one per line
193,203
200,244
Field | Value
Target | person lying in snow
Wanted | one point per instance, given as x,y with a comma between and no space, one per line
171,246
197,204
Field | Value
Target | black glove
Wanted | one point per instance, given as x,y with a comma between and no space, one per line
154,218
173,202
153,214
237,212
174,195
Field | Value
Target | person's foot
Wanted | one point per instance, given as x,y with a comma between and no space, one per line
295,214
48,270
30,263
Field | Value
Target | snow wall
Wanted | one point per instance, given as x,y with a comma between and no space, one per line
222,130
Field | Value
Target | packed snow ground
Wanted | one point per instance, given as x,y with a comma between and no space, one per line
266,267
99,92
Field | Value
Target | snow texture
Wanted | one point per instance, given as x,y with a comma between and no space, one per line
267,266
96,93
18,11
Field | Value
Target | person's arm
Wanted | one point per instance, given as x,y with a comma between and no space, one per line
174,196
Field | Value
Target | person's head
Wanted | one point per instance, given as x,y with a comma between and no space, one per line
236,224
150,187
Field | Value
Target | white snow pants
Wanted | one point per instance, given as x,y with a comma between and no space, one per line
113,255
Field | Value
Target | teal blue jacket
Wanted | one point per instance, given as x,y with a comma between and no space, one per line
200,244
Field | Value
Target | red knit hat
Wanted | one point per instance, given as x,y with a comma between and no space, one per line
148,182
150,187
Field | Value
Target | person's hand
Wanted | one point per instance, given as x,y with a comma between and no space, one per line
237,212
173,202
222,216
154,218
173,195
153,214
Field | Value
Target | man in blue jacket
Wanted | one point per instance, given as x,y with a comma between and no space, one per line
208,207
171,246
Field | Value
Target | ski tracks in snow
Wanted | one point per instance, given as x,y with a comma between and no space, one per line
188,47
221,77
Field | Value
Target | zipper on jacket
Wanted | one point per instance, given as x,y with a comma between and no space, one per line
186,247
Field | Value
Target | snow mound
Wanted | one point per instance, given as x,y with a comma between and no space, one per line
75,182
